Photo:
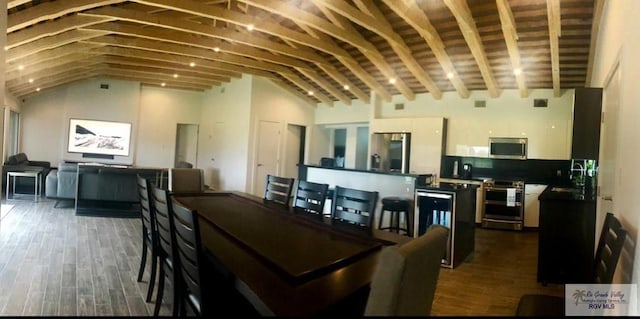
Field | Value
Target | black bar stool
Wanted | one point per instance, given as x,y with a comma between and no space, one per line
396,206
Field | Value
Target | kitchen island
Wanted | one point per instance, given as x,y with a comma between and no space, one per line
385,183
566,235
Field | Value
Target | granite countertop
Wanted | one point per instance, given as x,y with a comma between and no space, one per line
553,192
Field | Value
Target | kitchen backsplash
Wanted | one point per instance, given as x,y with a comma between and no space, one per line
532,171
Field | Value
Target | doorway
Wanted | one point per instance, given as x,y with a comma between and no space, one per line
608,177
294,150
186,144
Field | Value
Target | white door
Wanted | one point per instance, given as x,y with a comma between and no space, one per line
267,156
212,161
608,174
186,143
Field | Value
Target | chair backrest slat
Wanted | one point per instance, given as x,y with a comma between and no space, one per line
278,190
609,248
148,216
355,206
310,197
161,202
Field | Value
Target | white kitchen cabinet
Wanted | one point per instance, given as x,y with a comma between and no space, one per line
427,140
532,204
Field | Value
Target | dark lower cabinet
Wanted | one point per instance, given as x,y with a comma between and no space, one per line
566,237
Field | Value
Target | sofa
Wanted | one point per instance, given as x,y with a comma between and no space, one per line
97,183
20,162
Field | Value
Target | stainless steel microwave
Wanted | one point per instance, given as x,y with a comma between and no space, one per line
508,147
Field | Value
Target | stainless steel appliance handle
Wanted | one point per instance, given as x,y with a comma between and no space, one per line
434,195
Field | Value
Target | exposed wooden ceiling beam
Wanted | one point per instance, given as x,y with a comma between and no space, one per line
49,54
35,69
288,88
553,14
417,18
511,39
598,7
181,70
467,25
53,82
35,79
14,3
51,10
304,85
51,42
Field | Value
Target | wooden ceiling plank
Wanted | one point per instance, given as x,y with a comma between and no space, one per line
325,85
14,3
46,80
51,10
158,75
553,16
462,13
50,54
305,86
598,8
381,26
181,71
46,29
417,18
348,35
51,42
38,77
340,78
36,68
510,37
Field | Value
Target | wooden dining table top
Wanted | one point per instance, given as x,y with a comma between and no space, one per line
286,263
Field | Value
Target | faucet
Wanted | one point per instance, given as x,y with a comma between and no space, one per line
579,179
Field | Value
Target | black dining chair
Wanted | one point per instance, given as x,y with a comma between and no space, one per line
278,190
149,234
169,261
354,206
604,266
310,197
208,289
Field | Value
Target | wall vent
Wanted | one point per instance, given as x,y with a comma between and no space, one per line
222,89
399,106
540,102
104,86
480,103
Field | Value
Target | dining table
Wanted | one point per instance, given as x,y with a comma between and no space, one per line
286,262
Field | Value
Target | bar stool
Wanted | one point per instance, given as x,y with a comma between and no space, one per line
396,206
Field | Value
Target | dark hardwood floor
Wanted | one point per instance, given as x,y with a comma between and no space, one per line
53,262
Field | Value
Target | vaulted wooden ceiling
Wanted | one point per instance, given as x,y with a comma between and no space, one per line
322,50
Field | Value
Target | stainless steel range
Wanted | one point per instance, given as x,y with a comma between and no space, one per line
503,204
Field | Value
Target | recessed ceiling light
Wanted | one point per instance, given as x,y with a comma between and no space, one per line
20,67
392,80
175,75
553,126
192,64
310,93
163,84
517,71
346,87
216,49
450,75
38,90
30,80
250,27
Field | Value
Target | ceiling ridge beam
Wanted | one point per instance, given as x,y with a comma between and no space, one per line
51,10
553,16
417,18
511,39
462,13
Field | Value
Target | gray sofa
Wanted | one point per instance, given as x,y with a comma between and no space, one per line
97,183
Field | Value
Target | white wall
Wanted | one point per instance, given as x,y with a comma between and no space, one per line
160,112
224,134
617,44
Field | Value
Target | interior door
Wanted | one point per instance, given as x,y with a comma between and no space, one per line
268,155
295,150
186,143
608,175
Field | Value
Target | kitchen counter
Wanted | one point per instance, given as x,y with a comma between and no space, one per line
567,194
456,187
363,170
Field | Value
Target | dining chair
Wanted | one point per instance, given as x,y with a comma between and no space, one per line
608,252
207,291
405,279
310,197
278,190
149,234
169,261
186,180
354,206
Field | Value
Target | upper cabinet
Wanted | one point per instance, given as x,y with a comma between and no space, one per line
427,144
587,111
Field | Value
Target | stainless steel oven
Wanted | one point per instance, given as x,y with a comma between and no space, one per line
503,205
